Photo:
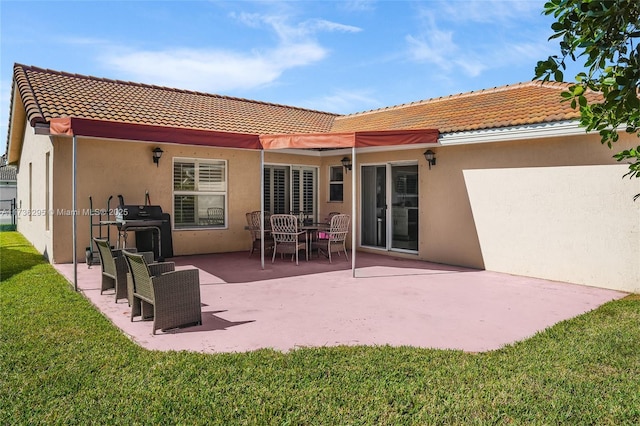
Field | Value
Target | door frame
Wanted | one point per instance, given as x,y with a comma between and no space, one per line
388,213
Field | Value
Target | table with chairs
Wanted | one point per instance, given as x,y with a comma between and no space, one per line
291,234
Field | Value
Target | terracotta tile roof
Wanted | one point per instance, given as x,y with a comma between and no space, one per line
514,105
49,94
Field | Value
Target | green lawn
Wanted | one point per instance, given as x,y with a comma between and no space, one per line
62,362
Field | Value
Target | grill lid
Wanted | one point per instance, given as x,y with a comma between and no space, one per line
129,212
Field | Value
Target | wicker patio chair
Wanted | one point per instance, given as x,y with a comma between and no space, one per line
286,237
329,216
335,236
173,297
253,225
115,269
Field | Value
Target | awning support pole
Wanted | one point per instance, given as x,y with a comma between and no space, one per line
74,209
354,170
262,207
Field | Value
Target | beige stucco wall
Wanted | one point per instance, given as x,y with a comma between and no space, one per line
577,224
109,168
482,194
461,222
31,201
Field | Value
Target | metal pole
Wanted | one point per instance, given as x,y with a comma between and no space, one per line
262,207
74,209
354,171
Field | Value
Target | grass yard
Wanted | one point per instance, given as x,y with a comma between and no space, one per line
62,362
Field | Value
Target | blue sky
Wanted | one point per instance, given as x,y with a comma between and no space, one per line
337,56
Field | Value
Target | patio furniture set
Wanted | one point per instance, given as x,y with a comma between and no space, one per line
154,290
286,234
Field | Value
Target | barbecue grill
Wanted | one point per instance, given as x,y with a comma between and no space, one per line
146,220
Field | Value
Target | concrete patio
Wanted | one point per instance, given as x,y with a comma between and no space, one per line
391,302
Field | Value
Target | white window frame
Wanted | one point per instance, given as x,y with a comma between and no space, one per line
335,182
201,223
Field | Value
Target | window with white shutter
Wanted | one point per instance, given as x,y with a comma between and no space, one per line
291,189
199,193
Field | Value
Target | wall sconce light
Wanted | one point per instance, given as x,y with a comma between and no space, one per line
430,157
157,153
346,163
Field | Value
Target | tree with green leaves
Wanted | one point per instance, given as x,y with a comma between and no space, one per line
606,34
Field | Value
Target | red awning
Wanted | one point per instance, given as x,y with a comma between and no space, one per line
71,126
350,140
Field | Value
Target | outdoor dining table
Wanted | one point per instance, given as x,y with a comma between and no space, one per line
312,230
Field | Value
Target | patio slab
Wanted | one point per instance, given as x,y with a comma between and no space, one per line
390,302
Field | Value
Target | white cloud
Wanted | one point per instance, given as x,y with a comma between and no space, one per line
469,53
486,11
202,70
344,102
220,70
433,45
357,5
324,25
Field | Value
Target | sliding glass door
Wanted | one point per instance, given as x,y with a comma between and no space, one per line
389,194
374,206
404,210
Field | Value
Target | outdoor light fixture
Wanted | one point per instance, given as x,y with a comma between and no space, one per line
346,162
157,153
430,157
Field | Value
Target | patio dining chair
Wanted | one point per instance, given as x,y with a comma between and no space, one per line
171,298
335,237
286,236
327,219
253,225
115,269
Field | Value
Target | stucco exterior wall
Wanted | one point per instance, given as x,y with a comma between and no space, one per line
545,208
558,223
109,168
478,205
324,205
32,208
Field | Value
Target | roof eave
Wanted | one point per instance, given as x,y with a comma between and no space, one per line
502,134
17,127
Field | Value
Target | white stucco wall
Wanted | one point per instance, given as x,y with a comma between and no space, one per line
31,198
576,223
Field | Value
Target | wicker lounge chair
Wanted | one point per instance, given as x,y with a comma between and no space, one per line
286,237
171,298
115,269
334,239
